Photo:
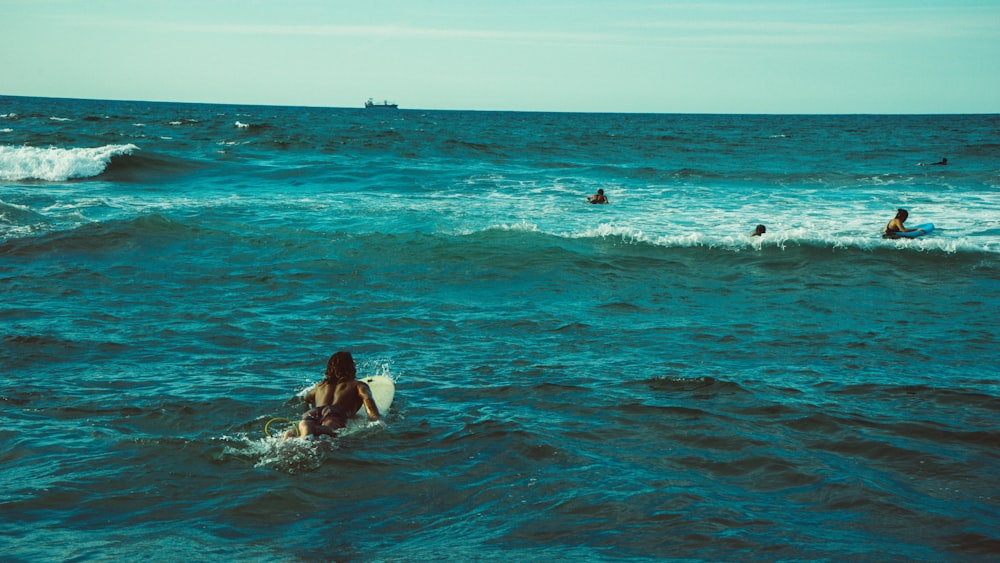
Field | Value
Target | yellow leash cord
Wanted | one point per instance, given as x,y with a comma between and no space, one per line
268,425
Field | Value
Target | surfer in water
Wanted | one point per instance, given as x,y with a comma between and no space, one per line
599,197
896,225
335,399
761,229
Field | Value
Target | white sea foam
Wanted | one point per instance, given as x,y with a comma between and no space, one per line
55,164
779,236
522,226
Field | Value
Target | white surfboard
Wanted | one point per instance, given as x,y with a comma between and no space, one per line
383,390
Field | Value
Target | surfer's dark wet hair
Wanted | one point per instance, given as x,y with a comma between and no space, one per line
340,366
902,214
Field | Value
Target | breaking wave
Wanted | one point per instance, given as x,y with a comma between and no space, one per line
54,164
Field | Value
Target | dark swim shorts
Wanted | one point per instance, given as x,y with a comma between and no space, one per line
326,413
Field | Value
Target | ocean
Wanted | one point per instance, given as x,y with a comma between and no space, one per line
626,382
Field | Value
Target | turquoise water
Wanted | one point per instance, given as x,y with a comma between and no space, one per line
634,381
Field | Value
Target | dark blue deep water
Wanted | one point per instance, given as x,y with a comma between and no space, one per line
634,381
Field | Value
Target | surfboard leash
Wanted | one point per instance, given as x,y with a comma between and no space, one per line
268,425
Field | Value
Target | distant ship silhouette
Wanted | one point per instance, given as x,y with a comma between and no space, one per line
384,105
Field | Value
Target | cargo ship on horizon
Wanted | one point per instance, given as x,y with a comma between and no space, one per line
370,104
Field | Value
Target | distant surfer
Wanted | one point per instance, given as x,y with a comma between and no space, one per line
895,226
761,229
942,162
335,399
599,197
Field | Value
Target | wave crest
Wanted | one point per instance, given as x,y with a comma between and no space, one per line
782,240
55,164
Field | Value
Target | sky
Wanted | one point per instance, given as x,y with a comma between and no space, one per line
643,56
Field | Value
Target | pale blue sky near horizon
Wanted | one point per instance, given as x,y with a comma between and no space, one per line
713,56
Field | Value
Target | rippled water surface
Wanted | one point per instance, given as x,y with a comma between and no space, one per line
635,381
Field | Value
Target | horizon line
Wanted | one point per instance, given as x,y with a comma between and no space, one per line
403,108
